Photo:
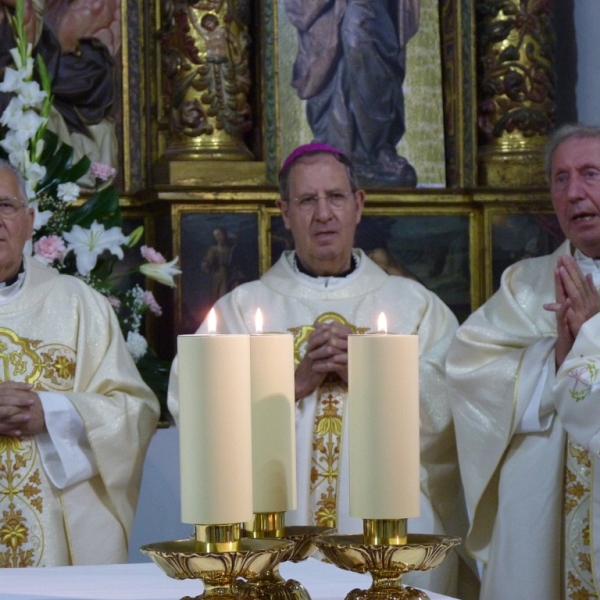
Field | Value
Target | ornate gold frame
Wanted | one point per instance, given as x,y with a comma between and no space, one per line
133,81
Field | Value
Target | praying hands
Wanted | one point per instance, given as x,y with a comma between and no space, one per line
326,352
577,300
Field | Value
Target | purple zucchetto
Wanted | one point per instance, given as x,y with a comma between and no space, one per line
305,149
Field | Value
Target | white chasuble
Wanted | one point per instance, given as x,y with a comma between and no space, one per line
293,302
528,440
60,336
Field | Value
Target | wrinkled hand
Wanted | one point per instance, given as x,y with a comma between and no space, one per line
577,301
21,411
326,352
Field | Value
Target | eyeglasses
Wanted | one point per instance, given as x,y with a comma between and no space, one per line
9,207
309,202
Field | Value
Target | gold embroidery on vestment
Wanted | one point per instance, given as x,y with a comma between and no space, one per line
579,580
48,367
327,431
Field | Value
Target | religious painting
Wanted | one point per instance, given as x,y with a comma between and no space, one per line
431,249
218,252
87,51
515,236
365,77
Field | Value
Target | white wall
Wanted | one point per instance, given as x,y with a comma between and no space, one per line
158,518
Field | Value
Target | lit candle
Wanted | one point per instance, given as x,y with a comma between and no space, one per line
273,420
383,414
215,431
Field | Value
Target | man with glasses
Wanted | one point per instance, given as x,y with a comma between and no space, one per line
75,416
322,291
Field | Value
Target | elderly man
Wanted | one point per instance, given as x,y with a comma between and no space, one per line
75,416
321,292
525,394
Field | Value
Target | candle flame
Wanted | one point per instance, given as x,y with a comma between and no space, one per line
258,321
212,321
382,323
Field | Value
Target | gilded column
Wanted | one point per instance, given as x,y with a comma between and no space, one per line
516,89
206,80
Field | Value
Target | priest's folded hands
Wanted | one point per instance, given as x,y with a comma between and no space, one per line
326,352
21,411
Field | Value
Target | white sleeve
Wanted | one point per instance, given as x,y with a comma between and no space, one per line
65,451
535,407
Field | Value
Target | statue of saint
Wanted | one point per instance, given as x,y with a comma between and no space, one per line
78,41
350,67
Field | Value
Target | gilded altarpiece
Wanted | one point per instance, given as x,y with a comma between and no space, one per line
219,189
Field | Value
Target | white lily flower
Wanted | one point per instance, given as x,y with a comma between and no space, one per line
11,143
31,94
40,217
12,80
29,191
35,173
28,125
68,192
162,272
88,244
13,113
18,159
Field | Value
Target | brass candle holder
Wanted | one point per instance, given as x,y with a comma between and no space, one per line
217,555
270,585
387,552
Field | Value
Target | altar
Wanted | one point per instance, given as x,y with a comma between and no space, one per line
146,581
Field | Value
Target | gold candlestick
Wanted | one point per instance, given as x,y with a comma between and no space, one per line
382,552
218,556
266,525
270,585
218,538
384,532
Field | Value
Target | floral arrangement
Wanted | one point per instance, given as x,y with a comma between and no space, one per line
80,238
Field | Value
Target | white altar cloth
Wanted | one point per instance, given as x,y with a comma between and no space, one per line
145,581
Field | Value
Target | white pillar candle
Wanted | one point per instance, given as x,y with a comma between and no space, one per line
273,421
383,414
215,429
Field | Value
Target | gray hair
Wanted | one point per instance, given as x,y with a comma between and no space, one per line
284,175
564,133
4,164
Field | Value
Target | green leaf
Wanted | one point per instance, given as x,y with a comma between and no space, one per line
135,236
104,267
78,170
103,206
58,164
50,146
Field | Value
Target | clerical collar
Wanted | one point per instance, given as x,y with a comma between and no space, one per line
588,266
300,268
13,279
11,287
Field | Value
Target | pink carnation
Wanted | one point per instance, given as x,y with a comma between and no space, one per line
102,171
151,255
152,304
113,301
49,248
